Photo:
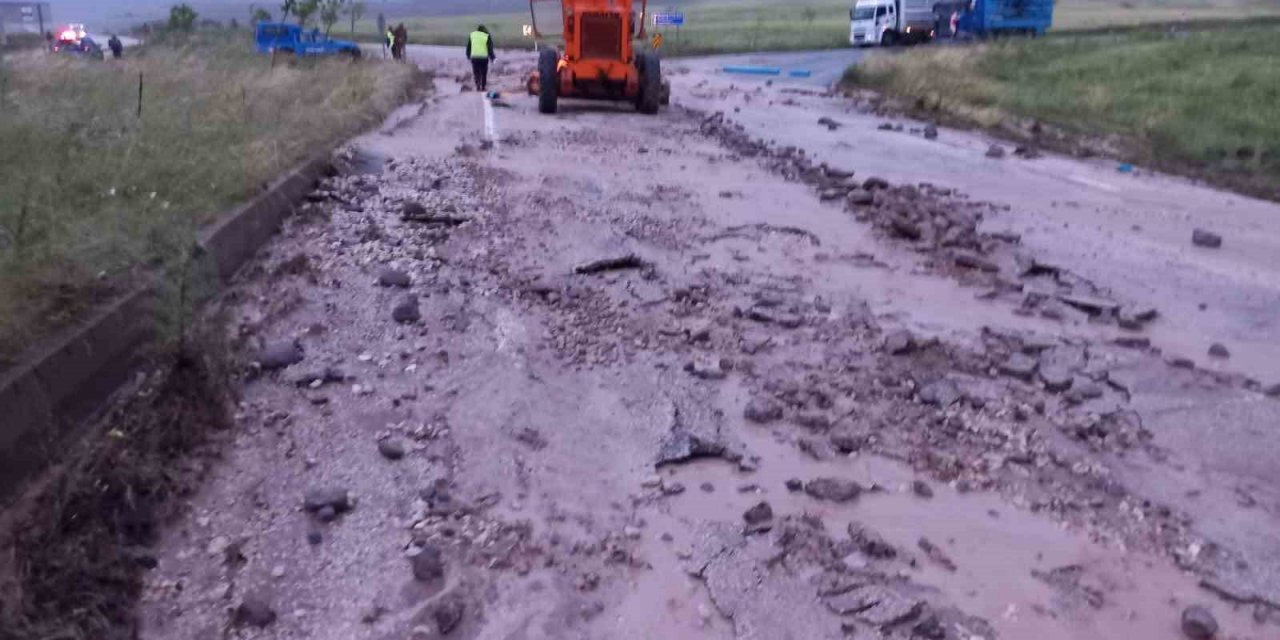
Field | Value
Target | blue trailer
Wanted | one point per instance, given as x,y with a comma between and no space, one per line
290,39
985,18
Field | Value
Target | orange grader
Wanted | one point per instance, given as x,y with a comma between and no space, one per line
600,59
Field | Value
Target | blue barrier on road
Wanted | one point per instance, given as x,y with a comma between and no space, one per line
757,71
800,73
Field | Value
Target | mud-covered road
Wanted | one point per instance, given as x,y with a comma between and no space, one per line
602,375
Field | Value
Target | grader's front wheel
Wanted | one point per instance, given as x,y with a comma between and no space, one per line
650,83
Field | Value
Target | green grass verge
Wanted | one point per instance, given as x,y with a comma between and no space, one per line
1205,102
92,197
735,26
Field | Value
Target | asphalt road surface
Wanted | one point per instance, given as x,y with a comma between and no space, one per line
555,365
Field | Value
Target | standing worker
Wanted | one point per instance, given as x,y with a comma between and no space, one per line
402,40
480,51
117,47
391,41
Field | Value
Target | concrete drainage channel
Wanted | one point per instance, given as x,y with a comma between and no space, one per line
62,385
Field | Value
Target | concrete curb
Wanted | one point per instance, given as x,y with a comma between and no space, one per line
61,384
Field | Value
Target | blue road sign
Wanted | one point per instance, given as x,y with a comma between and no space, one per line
673,19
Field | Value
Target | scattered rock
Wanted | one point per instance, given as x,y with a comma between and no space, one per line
1206,239
1198,623
707,369
1217,350
921,488
759,518
1133,342
876,605
427,562
905,228
279,355
394,278
995,151
255,612
406,311
391,448
762,411
1272,391
317,499
327,514
873,183
833,489
795,484
448,615
1020,366
930,132
830,124
942,393
936,554
870,543
1056,377
969,260
899,342
314,538
681,445
859,197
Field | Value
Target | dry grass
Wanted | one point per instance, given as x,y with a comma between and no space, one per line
1205,103
731,26
92,196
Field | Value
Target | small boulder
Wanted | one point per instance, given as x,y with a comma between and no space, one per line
1198,623
995,151
279,355
859,197
317,499
930,132
899,342
448,615
394,278
759,518
406,311
255,611
873,183
1217,350
391,449
921,489
833,489
762,411
941,393
1206,239
427,563
1020,366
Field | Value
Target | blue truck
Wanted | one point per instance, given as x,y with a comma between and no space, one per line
290,39
987,18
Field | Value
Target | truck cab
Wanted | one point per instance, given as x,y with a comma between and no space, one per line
290,39
890,22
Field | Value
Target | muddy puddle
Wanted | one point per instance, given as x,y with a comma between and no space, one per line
1027,575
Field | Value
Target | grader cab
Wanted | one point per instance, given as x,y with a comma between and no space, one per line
600,59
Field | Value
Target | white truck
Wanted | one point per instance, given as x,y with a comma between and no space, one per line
891,22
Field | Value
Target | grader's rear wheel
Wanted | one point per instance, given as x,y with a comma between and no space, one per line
548,80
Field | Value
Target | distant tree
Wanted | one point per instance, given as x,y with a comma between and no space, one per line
355,9
260,15
234,24
810,14
182,18
330,11
304,10
287,7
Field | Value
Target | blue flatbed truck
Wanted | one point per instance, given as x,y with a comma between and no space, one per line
991,18
290,39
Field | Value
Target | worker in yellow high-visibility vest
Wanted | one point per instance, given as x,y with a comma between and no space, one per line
480,51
